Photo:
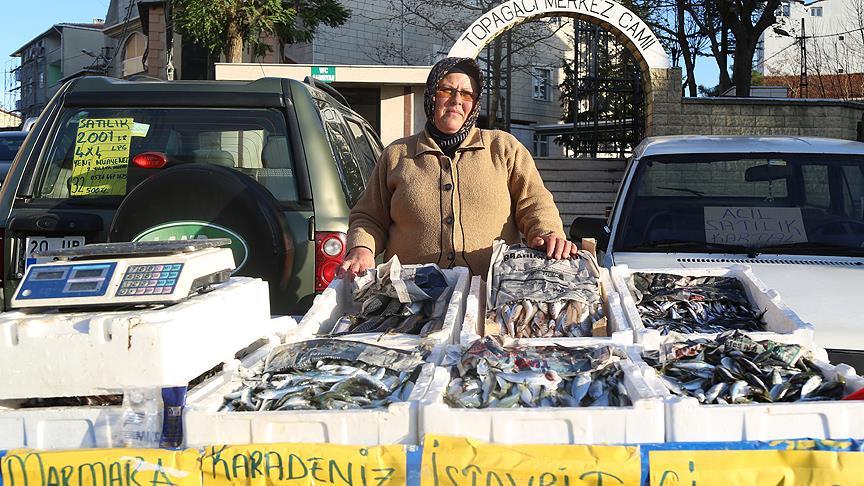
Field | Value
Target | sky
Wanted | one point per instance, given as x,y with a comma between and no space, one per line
25,19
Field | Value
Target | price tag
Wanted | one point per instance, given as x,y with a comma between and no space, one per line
278,464
102,467
101,159
451,461
757,467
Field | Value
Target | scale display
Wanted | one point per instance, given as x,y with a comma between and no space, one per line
121,274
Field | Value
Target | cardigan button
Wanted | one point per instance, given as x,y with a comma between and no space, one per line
448,186
451,256
448,220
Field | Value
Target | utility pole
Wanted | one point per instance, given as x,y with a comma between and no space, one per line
802,83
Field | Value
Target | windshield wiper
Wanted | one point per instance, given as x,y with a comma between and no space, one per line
810,246
696,245
681,189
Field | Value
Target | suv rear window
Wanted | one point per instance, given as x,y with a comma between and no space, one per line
90,153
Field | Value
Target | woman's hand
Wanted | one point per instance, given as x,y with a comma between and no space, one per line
556,246
358,260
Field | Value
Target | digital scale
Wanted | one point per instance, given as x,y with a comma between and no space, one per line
117,274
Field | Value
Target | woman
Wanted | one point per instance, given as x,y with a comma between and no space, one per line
444,194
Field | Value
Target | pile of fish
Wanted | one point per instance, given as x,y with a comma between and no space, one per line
393,298
380,313
571,318
685,304
326,374
736,369
532,296
489,375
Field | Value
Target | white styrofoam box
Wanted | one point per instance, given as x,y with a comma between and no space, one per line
642,422
689,421
204,424
618,326
76,427
57,427
336,301
783,324
103,352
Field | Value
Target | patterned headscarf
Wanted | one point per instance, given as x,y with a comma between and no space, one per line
449,142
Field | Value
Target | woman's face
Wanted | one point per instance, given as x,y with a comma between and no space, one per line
453,107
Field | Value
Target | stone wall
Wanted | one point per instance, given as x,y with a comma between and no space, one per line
670,114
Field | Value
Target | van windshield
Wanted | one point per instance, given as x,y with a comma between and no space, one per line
93,152
745,203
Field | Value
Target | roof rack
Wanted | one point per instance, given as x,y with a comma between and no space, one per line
327,89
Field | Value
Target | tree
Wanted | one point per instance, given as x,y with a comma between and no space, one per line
747,19
705,14
225,25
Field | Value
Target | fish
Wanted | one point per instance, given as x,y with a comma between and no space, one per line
686,304
744,371
537,376
334,375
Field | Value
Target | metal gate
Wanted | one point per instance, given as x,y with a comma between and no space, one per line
605,112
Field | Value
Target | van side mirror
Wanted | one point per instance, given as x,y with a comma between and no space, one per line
588,227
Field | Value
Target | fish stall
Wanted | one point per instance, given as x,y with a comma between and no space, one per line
665,304
539,357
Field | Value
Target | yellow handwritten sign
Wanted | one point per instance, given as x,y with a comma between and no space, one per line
296,464
455,461
101,467
743,468
101,159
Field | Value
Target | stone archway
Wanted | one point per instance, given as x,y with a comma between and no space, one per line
627,27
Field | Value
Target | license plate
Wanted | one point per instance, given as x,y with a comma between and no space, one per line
35,244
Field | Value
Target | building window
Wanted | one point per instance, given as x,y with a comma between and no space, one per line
815,11
541,145
541,82
783,11
133,54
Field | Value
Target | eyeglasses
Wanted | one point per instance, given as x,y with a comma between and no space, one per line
464,96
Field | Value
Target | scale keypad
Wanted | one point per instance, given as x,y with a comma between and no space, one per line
156,279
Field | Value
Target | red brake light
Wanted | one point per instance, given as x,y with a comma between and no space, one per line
329,254
150,160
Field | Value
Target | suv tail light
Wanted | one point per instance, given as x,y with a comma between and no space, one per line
150,160
329,254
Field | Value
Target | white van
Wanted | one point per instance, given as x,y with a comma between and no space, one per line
790,207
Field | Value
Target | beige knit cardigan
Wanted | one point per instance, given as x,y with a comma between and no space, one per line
426,208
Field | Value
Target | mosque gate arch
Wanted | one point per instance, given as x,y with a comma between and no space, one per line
606,17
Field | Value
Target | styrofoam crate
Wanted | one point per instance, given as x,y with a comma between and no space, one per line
57,427
103,352
687,420
78,427
783,324
336,301
619,329
642,422
204,424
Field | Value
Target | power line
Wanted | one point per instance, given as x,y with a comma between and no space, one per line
832,35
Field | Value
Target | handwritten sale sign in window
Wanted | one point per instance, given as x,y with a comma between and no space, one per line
754,226
101,160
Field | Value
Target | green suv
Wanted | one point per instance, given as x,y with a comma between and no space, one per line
273,164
